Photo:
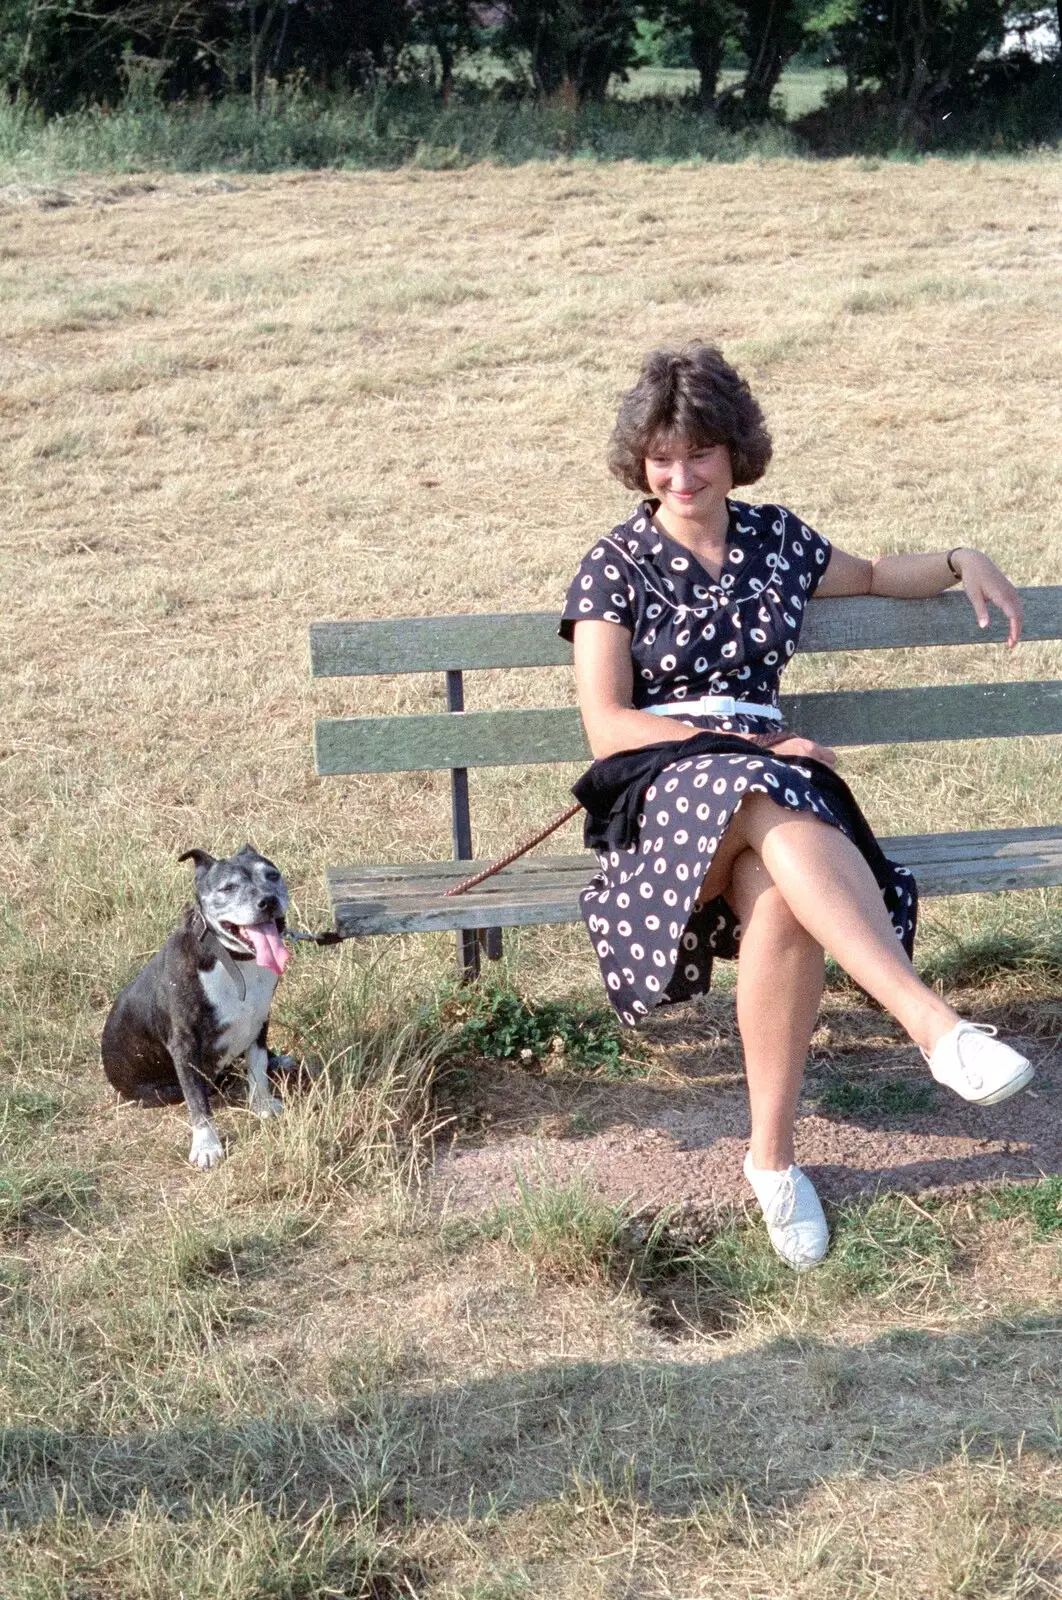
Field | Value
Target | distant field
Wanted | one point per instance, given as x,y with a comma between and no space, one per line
799,90
231,406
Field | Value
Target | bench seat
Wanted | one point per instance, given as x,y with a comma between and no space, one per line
545,889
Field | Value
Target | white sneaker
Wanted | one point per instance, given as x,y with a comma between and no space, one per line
977,1065
794,1217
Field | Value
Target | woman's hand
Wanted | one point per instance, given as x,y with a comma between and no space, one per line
806,748
985,585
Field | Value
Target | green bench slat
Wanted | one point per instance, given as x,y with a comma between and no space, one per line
529,638
460,739
847,717
545,889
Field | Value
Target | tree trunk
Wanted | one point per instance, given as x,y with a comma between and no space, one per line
26,53
707,53
709,22
769,32
252,52
257,37
446,66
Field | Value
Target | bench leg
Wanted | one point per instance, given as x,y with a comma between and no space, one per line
469,940
468,954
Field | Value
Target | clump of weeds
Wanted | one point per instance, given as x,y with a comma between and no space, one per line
497,1022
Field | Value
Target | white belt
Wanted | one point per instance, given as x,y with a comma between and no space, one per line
715,705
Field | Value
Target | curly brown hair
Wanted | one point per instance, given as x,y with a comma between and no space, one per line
692,395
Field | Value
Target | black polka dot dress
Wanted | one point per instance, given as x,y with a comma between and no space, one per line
691,636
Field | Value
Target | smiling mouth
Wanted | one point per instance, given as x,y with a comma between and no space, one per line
242,931
263,940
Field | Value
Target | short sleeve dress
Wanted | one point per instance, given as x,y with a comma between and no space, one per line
691,636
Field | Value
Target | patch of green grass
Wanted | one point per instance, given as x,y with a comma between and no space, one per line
1040,1202
397,127
46,1192
937,289
227,1247
366,1118
18,1104
496,1022
784,346
890,1249
871,300
715,1281
513,1585
24,1114
564,1231
877,1097
119,1325
887,1250
65,446
223,1549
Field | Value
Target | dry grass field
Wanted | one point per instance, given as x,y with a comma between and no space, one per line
233,407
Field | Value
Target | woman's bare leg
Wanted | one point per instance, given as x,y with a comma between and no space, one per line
779,986
832,894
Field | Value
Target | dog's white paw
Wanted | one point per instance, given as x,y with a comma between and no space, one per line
264,1104
207,1150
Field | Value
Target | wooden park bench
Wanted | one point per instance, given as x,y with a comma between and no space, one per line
407,897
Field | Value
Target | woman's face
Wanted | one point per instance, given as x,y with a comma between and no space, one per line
689,480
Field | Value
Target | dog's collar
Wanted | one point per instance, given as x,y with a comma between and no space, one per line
209,938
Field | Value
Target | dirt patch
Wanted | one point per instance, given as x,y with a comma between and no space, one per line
679,1137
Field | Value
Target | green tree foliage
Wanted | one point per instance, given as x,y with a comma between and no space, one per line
573,47
449,27
62,53
916,50
709,27
910,64
336,43
765,33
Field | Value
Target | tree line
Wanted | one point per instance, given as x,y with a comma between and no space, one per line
910,54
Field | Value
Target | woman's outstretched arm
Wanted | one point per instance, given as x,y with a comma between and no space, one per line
915,577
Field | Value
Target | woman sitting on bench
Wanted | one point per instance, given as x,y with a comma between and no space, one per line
682,620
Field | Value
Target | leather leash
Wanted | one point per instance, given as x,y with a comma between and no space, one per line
761,741
514,855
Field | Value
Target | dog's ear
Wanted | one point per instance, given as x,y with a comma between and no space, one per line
202,858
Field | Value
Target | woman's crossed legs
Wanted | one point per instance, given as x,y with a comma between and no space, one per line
799,886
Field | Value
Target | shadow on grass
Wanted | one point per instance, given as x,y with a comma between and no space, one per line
770,1423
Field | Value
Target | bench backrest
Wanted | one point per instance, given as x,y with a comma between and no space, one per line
459,644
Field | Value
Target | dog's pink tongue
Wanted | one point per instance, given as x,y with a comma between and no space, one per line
270,951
